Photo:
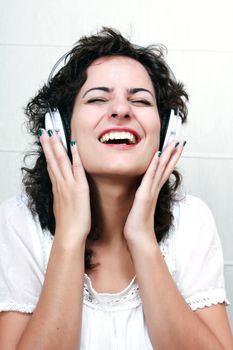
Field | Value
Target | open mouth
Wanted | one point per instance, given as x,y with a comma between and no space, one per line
119,137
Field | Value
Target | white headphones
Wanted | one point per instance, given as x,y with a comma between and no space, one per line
173,129
53,121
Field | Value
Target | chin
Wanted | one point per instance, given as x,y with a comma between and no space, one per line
116,170
125,165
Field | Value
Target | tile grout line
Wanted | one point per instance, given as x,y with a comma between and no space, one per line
185,156
196,50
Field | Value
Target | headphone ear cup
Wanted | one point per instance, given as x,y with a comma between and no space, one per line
171,129
66,128
164,126
54,121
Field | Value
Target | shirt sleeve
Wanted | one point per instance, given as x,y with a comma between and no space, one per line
21,258
199,263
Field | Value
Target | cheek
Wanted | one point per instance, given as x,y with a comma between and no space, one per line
78,127
80,131
152,129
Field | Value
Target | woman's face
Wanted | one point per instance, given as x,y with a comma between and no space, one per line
115,119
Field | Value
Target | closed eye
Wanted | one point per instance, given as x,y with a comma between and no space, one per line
141,102
98,100
138,102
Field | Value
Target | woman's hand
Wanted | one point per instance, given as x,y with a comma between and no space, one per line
139,226
70,189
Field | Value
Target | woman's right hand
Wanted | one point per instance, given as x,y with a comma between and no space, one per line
70,190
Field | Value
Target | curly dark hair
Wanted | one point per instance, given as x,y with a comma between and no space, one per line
60,94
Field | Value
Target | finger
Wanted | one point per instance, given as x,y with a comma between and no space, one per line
172,162
157,165
60,155
52,178
167,163
54,171
78,170
148,177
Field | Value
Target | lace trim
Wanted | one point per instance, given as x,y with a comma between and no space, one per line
15,307
46,243
208,298
168,243
126,299
166,246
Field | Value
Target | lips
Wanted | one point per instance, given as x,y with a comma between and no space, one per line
120,136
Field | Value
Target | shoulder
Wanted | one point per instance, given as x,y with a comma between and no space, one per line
16,218
18,227
14,206
191,205
24,253
192,235
196,222
199,256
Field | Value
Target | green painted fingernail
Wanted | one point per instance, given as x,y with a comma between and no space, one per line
50,133
159,154
40,132
184,143
177,144
72,143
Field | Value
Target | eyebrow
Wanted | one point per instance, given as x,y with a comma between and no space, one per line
106,89
135,90
102,88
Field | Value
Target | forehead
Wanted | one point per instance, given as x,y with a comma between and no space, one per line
116,69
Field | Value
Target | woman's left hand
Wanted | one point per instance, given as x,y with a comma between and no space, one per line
139,226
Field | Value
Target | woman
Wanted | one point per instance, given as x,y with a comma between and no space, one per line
93,221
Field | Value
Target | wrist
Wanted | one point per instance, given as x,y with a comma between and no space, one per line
144,245
68,240
145,256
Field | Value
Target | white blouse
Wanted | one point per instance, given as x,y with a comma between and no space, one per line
112,321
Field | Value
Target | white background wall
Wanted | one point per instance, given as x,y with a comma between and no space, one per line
198,34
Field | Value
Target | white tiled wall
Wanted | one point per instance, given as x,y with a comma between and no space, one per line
198,34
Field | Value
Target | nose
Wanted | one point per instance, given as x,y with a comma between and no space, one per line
119,115
120,109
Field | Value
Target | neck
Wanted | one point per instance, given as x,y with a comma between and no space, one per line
112,200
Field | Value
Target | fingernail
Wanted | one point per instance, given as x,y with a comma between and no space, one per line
40,132
184,143
159,154
50,133
72,143
177,144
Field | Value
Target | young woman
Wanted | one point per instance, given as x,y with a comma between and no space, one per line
101,252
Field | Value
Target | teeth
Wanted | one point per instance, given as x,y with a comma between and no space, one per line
117,136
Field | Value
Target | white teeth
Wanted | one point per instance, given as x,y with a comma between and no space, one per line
117,136
124,135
